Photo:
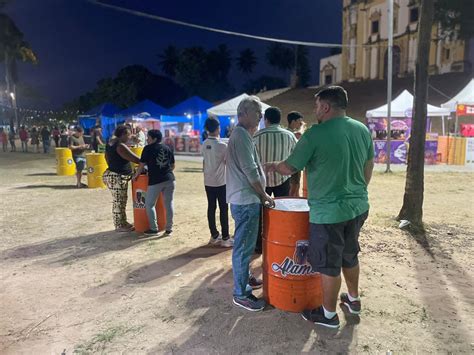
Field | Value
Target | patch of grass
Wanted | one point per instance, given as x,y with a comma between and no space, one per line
424,315
99,341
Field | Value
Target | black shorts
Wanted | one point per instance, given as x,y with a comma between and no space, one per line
332,246
295,178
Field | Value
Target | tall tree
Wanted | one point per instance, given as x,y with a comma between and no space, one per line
132,84
219,62
303,70
280,57
455,16
285,58
412,208
169,60
13,47
246,61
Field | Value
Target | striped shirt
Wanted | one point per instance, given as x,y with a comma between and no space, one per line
274,143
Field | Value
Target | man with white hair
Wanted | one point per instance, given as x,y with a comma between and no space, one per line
245,183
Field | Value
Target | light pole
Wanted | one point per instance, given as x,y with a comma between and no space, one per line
389,83
15,109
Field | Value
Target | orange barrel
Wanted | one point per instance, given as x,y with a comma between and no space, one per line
289,282
140,219
138,151
305,185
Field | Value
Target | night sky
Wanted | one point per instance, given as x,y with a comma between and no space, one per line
78,43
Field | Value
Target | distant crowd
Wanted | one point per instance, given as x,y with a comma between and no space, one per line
32,137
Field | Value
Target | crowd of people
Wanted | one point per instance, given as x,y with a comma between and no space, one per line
32,137
252,169
247,173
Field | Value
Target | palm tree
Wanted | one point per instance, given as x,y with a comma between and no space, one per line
246,61
12,48
280,57
169,60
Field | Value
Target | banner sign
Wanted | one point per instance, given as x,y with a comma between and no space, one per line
465,110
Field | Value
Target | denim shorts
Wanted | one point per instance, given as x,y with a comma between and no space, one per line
335,246
80,163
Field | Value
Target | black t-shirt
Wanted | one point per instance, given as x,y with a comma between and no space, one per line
159,158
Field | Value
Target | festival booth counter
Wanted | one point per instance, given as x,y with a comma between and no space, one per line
400,130
459,149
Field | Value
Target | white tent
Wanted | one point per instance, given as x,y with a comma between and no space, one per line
465,96
402,106
229,108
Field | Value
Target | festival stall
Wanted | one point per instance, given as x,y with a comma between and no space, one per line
401,113
102,115
462,105
183,126
459,150
145,114
227,113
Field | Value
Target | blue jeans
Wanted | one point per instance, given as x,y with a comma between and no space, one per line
152,193
46,146
246,219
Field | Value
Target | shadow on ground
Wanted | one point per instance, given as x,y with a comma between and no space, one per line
42,174
191,170
68,250
44,186
157,273
220,327
437,300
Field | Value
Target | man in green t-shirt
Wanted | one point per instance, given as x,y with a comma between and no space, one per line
338,157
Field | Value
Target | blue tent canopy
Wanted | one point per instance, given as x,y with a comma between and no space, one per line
108,124
148,106
106,109
191,106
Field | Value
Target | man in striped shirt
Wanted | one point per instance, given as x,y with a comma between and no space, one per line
275,143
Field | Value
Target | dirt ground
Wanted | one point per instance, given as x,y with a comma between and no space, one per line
71,284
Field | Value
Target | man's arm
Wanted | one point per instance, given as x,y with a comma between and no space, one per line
266,199
368,169
281,167
251,170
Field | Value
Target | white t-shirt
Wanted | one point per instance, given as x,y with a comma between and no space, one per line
213,151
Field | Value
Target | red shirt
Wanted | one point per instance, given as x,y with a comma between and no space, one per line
23,134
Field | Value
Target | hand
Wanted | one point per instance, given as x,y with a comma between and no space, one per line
267,201
269,167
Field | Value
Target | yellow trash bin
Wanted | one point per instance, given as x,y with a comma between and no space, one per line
65,165
138,151
96,165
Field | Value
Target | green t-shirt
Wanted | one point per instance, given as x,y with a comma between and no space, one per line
334,154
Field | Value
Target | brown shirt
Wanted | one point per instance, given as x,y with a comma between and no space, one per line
74,142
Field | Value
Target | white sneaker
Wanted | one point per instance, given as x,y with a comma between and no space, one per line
216,240
227,243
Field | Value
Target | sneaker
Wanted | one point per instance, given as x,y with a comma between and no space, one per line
353,307
150,232
255,283
317,317
227,243
168,233
215,240
250,303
